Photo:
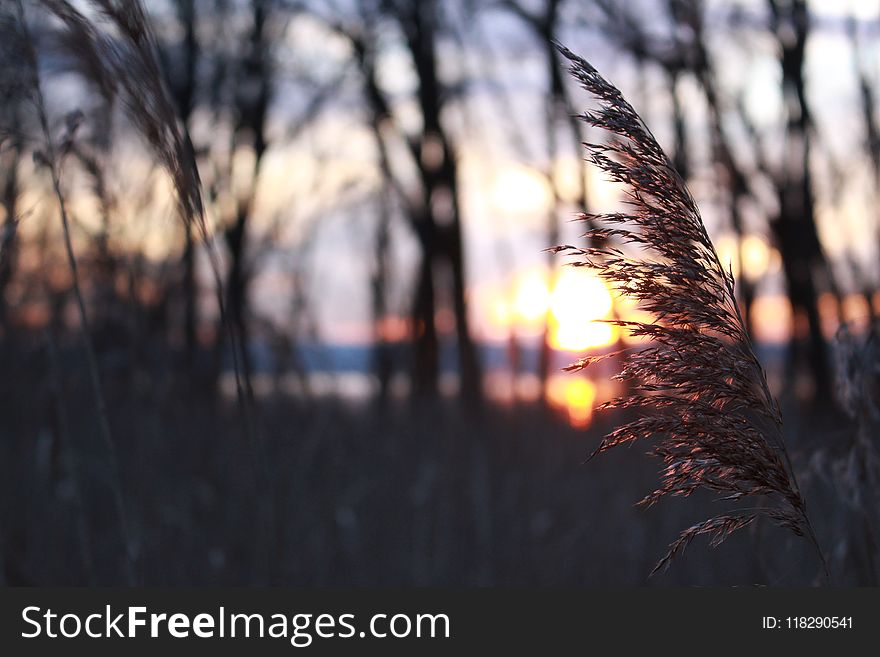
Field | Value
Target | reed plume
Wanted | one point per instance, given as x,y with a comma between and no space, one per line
51,157
125,66
697,388
122,63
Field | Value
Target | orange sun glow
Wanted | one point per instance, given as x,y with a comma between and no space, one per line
576,396
575,308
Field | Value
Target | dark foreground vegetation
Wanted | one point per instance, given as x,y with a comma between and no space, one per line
346,495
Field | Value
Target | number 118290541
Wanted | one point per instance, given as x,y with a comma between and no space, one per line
807,622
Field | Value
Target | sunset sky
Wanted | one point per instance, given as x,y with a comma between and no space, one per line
317,191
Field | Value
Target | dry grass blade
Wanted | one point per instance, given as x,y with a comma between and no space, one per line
51,158
697,389
125,65
122,62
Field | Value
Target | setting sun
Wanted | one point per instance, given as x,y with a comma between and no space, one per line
574,310
579,303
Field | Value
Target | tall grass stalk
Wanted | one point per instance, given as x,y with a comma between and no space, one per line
127,67
696,387
52,161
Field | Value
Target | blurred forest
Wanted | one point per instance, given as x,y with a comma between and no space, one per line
275,306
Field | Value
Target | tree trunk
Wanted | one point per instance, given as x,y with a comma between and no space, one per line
426,365
442,216
798,238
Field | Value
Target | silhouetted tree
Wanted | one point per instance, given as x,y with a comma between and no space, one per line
433,212
805,265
